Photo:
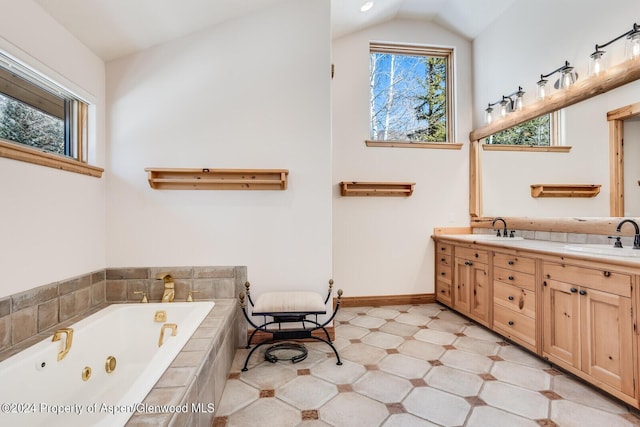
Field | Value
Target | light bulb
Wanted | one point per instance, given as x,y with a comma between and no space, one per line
488,116
635,46
596,65
518,104
503,108
366,6
541,91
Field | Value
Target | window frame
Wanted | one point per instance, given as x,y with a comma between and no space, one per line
555,144
76,122
423,50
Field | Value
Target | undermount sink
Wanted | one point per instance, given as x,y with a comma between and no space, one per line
609,250
491,237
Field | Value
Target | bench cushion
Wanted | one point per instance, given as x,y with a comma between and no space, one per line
289,302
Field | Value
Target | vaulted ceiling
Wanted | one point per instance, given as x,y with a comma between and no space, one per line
116,28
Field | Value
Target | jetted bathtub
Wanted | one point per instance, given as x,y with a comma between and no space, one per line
39,390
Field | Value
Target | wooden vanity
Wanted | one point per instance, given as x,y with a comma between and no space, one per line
579,312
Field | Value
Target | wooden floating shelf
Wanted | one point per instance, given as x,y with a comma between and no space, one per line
376,189
217,179
565,190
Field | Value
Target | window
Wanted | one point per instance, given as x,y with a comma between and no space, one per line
411,94
40,122
541,131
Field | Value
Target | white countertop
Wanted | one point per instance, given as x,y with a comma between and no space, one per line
605,253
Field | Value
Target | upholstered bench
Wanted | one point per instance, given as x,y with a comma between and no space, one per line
277,308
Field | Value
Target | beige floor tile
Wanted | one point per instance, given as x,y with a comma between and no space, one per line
454,381
368,322
353,410
382,386
437,406
467,361
363,354
266,412
570,414
521,375
485,416
351,332
421,350
268,376
435,337
575,391
404,366
400,329
307,392
407,420
520,401
383,340
478,346
347,373
413,319
236,395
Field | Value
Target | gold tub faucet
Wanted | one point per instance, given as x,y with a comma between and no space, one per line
57,335
174,331
169,288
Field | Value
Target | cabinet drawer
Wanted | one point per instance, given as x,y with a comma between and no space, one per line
514,325
444,260
520,300
443,292
600,279
443,272
516,278
512,262
443,249
472,255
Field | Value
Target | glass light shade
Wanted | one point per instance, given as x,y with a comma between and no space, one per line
633,46
488,115
541,89
567,79
519,102
597,64
504,108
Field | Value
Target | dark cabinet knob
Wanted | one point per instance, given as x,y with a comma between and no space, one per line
510,297
544,283
510,322
442,259
606,273
442,291
582,292
477,255
573,290
442,273
510,277
511,262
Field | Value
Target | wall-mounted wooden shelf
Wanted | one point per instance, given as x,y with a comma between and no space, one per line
217,179
565,190
376,189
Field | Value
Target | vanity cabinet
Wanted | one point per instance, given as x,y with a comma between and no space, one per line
514,298
444,273
588,324
471,286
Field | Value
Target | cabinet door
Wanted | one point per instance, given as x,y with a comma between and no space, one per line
561,341
479,301
607,338
462,285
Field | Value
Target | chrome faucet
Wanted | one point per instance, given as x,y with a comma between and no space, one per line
636,239
57,335
169,288
505,232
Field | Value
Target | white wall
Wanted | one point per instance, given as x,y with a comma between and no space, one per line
250,93
381,246
534,37
52,222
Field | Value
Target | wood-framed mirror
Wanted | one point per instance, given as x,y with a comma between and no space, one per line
620,120
589,87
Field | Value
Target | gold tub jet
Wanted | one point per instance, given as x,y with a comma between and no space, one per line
68,332
169,287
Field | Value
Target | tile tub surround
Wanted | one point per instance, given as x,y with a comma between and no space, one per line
29,313
26,315
413,365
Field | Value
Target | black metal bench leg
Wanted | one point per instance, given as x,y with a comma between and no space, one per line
246,362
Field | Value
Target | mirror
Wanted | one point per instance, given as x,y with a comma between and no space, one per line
500,180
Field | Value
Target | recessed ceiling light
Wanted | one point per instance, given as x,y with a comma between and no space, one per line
366,6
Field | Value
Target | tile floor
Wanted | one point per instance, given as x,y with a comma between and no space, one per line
414,365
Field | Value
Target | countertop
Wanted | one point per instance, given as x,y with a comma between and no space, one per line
548,247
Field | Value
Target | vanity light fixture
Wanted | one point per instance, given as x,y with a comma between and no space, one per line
507,105
567,78
597,63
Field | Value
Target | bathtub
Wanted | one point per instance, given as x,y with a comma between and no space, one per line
39,390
